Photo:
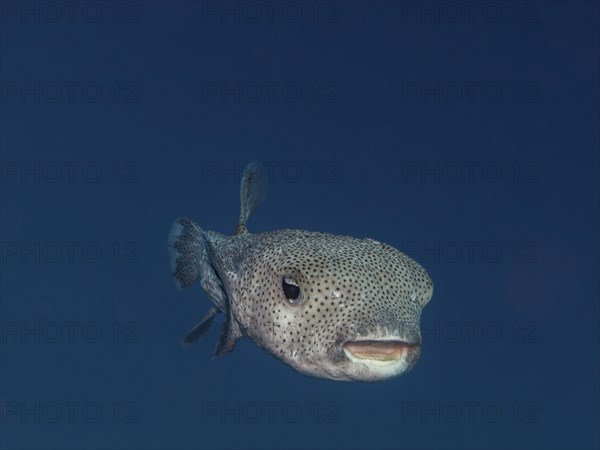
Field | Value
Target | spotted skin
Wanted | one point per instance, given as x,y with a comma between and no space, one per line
351,290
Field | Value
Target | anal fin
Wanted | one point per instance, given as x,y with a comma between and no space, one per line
200,328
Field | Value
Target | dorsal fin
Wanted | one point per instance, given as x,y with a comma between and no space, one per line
252,192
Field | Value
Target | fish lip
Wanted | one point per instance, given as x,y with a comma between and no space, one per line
380,350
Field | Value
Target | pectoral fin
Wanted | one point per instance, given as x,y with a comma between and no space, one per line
229,336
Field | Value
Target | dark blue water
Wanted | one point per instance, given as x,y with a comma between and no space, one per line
465,134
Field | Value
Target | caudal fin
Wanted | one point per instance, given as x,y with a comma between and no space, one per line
187,247
252,193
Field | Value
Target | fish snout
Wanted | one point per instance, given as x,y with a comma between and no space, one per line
388,350
378,356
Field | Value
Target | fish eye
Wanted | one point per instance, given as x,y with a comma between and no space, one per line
291,290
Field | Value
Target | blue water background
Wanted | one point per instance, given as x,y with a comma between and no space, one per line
370,132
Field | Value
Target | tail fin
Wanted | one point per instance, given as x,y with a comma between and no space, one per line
252,193
187,247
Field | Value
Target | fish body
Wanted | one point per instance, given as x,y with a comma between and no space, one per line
330,306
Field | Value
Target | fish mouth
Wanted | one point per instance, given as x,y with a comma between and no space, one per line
385,351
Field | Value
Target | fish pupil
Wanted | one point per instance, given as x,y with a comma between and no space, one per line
291,290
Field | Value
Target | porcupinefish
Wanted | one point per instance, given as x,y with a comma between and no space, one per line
330,306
